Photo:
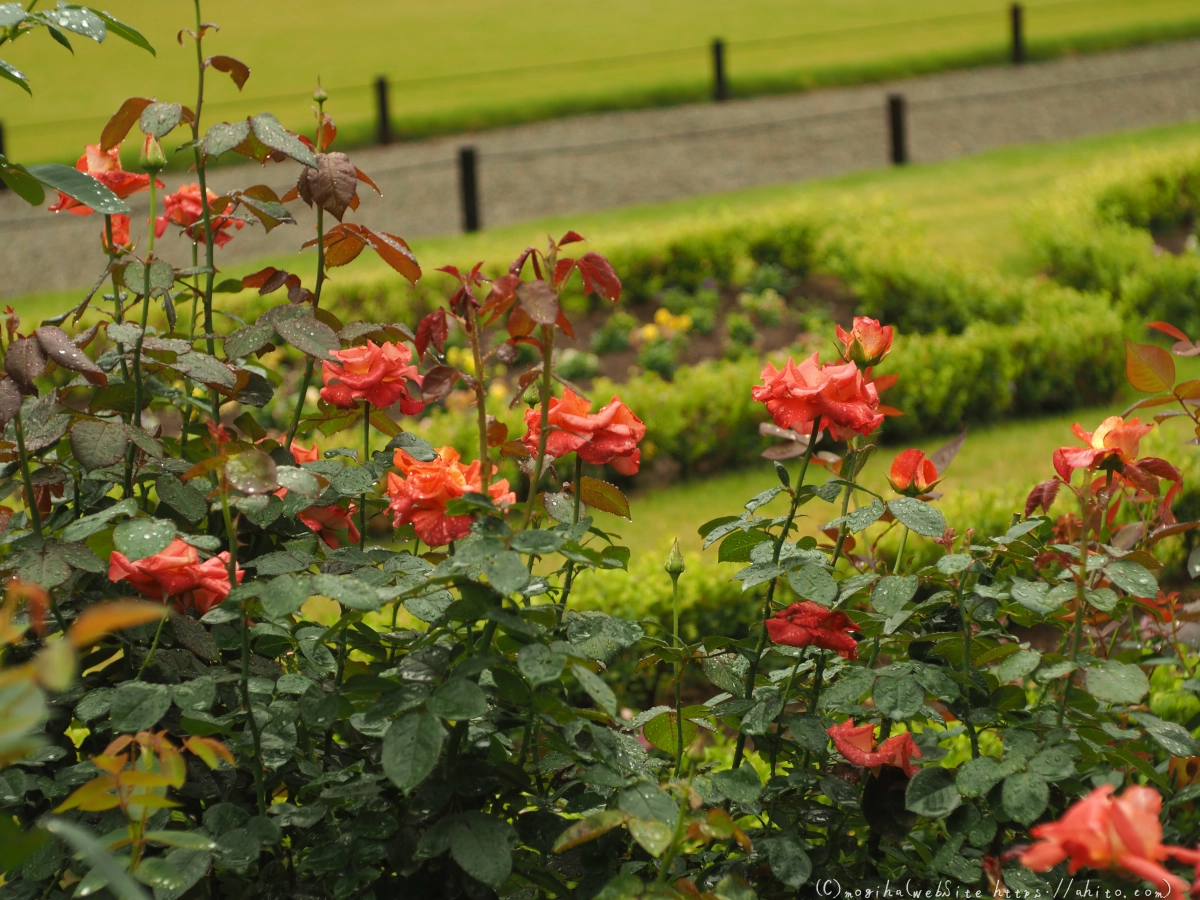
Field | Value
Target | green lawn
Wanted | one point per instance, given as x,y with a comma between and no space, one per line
418,44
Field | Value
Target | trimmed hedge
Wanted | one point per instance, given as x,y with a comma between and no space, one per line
1098,234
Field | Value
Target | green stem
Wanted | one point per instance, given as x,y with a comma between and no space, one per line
34,515
153,644
205,214
843,529
247,706
485,460
752,673
678,672
544,424
965,618
137,347
900,552
118,310
787,692
561,607
664,868
187,382
362,511
1080,600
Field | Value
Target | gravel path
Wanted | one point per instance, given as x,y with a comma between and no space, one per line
619,159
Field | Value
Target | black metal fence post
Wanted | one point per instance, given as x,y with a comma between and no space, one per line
720,87
896,129
383,116
468,188
1018,34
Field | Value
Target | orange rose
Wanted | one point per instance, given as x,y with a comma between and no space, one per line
327,521
1115,833
378,375
176,573
184,209
857,744
609,437
810,624
105,167
1113,444
300,455
420,497
912,474
837,395
120,230
867,342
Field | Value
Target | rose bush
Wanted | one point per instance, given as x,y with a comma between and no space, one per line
310,706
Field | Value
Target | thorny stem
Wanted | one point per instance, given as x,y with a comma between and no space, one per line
965,617
668,859
485,461
34,516
843,529
1080,599
251,722
544,425
561,606
137,348
205,214
752,673
678,672
118,311
153,644
900,552
787,692
187,411
362,500
316,303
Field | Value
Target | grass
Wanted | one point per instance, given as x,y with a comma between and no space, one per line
463,64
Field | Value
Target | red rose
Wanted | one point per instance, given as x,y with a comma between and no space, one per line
838,395
176,573
184,209
609,437
300,455
1114,441
867,342
810,624
912,474
420,497
1114,833
378,375
105,167
857,744
120,231
327,521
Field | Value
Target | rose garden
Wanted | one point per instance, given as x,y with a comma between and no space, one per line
304,605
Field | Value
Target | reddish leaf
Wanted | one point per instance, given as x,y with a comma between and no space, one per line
365,179
562,271
438,382
342,245
259,278
432,330
603,496
565,324
327,131
237,69
1148,403
103,618
1042,495
599,277
1168,329
883,382
1188,390
589,829
944,455
515,449
1149,369
277,280
10,400
291,195
57,345
330,184
123,119
1140,478
519,324
519,263
497,432
1160,467
571,237
501,296
539,300
24,362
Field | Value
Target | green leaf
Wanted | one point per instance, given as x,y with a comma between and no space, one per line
16,76
661,731
1039,597
1116,682
590,828
1133,578
159,119
162,277
252,472
458,698
78,185
23,184
156,872
97,444
1103,599
183,498
645,801
411,748
898,699
978,776
789,863
1018,665
89,525
221,138
309,335
124,32
809,732
348,591
506,573
189,840
78,19
932,793
540,665
737,546
1171,736
1025,796
852,682
727,671
598,636
603,496
268,130
740,785
12,14
596,688
139,538
197,695
284,595
767,705
653,836
1054,763
481,845
892,592
138,705
96,855
863,517
953,563
814,583
249,339
918,516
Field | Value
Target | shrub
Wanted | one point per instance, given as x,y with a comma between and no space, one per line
660,356
613,336
574,365
740,330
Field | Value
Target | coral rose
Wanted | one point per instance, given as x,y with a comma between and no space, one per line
609,437
185,209
376,374
327,521
176,573
810,624
420,497
1115,833
1114,443
105,167
867,342
120,233
300,455
837,395
857,744
912,474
